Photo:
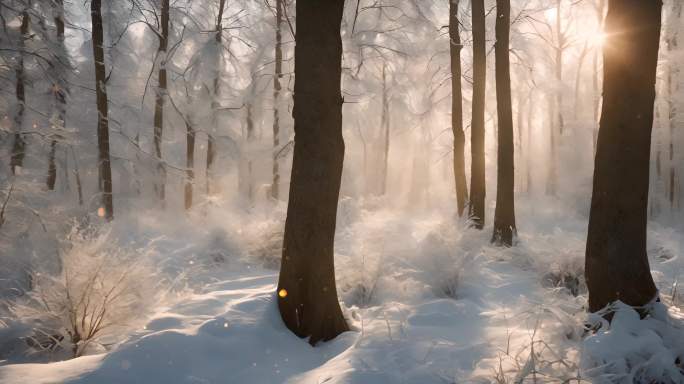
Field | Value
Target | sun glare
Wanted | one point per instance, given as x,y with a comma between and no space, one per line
597,39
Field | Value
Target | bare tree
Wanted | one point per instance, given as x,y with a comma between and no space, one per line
307,296
616,259
59,91
215,105
160,98
104,163
672,44
504,214
457,108
477,126
275,185
19,146
385,127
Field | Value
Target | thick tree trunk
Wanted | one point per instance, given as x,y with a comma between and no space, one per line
477,127
105,168
19,146
307,296
457,109
59,90
189,162
504,214
616,260
160,99
275,184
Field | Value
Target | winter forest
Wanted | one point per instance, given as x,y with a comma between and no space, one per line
331,191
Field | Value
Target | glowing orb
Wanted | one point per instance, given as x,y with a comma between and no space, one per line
282,293
101,212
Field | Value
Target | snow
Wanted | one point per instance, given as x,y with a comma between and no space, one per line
429,301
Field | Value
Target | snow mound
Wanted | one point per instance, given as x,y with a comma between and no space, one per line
634,350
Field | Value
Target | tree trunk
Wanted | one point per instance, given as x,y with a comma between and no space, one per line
189,162
385,125
600,7
211,141
504,214
275,185
105,169
59,91
528,141
77,174
250,143
551,171
457,109
160,98
616,259
477,128
672,90
19,146
307,296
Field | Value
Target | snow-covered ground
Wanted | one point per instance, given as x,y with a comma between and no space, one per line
429,301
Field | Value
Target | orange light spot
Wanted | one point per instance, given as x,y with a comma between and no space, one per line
101,212
282,293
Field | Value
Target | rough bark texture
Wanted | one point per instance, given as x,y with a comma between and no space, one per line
504,214
457,109
19,145
160,98
616,259
105,168
477,126
307,296
275,185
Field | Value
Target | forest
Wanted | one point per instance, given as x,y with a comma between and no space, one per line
350,192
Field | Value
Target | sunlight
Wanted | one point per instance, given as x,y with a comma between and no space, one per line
597,39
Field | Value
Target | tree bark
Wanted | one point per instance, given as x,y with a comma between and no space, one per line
307,296
275,185
504,214
457,109
672,89
616,260
105,169
19,146
215,105
248,153
59,91
477,127
189,162
160,99
558,123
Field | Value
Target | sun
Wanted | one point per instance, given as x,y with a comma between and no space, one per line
597,39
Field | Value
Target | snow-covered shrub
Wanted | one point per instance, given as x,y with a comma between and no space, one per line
101,291
630,349
446,261
566,274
